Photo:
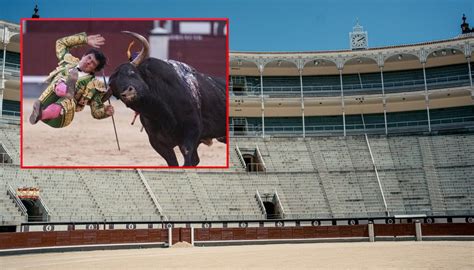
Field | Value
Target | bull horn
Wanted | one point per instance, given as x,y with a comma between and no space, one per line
129,54
145,52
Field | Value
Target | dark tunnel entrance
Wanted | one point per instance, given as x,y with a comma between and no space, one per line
33,209
270,209
252,162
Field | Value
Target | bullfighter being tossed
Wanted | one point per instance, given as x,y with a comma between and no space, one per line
72,85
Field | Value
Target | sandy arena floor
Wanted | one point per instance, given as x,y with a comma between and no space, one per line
381,255
90,142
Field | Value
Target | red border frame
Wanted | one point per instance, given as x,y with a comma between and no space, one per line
22,166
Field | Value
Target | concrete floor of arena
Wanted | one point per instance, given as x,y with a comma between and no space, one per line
379,255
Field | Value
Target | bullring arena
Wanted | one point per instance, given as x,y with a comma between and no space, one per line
407,255
338,159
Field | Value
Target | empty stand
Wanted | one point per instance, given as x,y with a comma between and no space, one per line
318,177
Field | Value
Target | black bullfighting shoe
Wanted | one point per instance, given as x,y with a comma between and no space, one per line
36,113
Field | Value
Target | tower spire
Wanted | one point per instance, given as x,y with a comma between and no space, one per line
35,15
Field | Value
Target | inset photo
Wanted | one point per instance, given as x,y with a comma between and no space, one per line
124,93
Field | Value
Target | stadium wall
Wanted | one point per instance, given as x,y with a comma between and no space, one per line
230,236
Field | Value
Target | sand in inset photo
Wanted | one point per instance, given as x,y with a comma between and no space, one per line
90,142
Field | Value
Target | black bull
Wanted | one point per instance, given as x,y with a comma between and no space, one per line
178,106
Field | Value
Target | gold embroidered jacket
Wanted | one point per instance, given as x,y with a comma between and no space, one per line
89,90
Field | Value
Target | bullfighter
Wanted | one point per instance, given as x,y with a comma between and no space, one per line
72,85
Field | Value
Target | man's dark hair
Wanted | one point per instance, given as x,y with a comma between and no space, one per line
100,57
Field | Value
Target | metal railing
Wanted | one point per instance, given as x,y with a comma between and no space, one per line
255,168
280,205
260,203
10,113
259,155
11,70
357,88
11,192
239,155
376,174
10,119
46,209
10,64
375,128
151,194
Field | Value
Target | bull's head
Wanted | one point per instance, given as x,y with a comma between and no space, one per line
126,83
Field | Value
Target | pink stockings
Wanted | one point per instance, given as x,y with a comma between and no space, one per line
60,89
51,112
54,110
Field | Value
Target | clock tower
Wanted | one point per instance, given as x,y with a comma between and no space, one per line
358,38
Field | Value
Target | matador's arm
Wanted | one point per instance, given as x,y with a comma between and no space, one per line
63,45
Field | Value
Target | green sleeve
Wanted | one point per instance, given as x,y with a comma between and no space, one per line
63,45
98,107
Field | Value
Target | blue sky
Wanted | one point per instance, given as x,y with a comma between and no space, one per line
279,25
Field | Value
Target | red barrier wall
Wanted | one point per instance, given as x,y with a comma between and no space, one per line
447,229
214,234
89,237
82,237
395,229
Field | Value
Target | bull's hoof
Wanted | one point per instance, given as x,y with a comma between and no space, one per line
36,114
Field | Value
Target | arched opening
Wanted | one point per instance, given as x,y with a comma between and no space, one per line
439,74
270,209
404,73
361,78
33,209
280,77
251,162
320,77
248,159
252,159
242,82
272,206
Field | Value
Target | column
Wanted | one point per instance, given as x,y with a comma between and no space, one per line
427,100
170,236
371,232
467,54
470,74
419,234
260,69
2,83
5,43
342,103
300,69
384,101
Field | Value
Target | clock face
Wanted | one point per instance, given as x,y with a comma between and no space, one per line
359,41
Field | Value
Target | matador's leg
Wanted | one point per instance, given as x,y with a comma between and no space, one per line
71,83
36,114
